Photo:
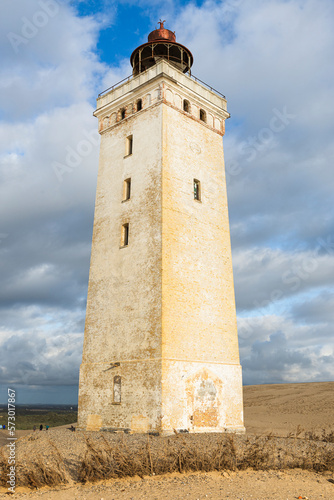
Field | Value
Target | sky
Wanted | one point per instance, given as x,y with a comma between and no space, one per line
273,61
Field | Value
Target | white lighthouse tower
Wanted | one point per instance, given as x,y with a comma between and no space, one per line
161,345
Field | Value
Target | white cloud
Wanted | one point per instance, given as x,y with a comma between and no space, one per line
264,276
274,53
271,58
278,350
56,66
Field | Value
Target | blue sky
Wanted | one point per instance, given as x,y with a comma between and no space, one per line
272,60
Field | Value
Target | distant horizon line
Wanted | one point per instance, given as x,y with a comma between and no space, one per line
4,405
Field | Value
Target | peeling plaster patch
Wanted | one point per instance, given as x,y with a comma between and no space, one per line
139,423
204,399
206,391
94,423
206,418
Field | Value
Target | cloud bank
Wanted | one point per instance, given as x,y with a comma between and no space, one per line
272,60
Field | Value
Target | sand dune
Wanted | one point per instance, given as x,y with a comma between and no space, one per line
280,408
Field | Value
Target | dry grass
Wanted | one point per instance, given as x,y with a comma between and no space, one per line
325,436
183,454
4,469
127,456
37,472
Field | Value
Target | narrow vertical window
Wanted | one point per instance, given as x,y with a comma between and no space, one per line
197,190
186,106
126,189
129,145
122,114
117,389
139,104
202,115
125,235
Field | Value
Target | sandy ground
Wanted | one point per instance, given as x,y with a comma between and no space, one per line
243,485
20,434
279,409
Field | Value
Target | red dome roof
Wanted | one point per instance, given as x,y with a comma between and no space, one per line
162,34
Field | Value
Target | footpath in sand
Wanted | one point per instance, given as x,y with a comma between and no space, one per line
276,409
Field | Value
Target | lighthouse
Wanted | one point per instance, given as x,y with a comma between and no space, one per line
161,345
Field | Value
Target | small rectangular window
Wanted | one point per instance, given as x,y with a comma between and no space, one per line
126,189
117,389
125,235
202,115
197,190
128,145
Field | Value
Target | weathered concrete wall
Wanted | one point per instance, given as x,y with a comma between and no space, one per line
201,397
160,311
199,318
198,291
123,316
140,406
123,319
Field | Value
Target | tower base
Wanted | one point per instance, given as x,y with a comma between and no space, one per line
168,396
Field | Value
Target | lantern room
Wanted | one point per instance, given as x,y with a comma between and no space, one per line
161,45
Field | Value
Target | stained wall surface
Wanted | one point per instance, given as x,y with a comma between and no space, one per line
199,331
160,328
123,318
